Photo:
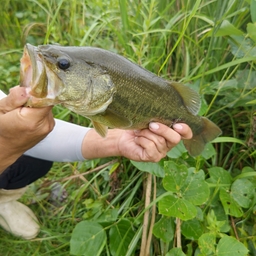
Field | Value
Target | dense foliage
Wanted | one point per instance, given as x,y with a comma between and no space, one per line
181,205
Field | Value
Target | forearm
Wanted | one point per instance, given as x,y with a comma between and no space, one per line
95,146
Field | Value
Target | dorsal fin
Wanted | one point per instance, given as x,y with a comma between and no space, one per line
190,97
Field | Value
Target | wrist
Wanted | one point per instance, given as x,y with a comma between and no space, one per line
95,146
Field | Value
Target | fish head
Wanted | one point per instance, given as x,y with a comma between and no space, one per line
55,74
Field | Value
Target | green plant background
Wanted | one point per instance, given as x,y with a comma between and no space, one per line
196,206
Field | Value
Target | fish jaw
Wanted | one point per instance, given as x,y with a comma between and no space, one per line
39,81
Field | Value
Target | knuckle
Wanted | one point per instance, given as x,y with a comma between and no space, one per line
40,128
48,127
162,140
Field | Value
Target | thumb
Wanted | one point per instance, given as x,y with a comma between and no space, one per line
36,114
16,98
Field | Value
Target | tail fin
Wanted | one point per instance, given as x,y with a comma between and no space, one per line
196,145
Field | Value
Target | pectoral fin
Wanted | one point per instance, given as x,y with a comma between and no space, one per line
101,122
100,128
115,120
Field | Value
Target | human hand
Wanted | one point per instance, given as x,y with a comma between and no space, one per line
148,145
21,128
151,145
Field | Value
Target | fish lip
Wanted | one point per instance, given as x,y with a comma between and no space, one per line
32,72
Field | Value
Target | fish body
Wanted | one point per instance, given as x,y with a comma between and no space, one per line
111,91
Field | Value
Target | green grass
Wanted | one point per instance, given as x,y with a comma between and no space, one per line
206,44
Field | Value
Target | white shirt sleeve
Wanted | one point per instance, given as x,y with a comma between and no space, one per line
62,144
2,94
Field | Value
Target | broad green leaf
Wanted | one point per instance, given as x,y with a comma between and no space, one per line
177,207
164,229
231,207
195,189
206,243
153,168
253,10
209,151
230,246
120,236
88,238
203,108
189,189
246,79
248,173
192,229
242,191
242,47
107,216
177,151
251,31
228,29
220,177
176,252
175,176
224,86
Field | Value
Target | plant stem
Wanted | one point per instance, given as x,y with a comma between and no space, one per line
178,232
234,227
150,232
146,216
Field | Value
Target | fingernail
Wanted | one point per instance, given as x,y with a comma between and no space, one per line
154,126
177,127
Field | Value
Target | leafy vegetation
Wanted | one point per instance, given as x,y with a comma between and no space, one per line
181,205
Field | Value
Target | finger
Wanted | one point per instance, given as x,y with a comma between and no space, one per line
184,130
170,135
159,142
38,118
16,98
150,151
35,113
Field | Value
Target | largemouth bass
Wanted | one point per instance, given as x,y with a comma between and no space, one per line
111,91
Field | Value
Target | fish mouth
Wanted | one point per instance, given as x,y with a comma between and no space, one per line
36,77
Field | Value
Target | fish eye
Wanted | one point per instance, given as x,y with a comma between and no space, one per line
63,64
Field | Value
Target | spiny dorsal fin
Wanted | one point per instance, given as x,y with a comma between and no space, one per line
190,97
